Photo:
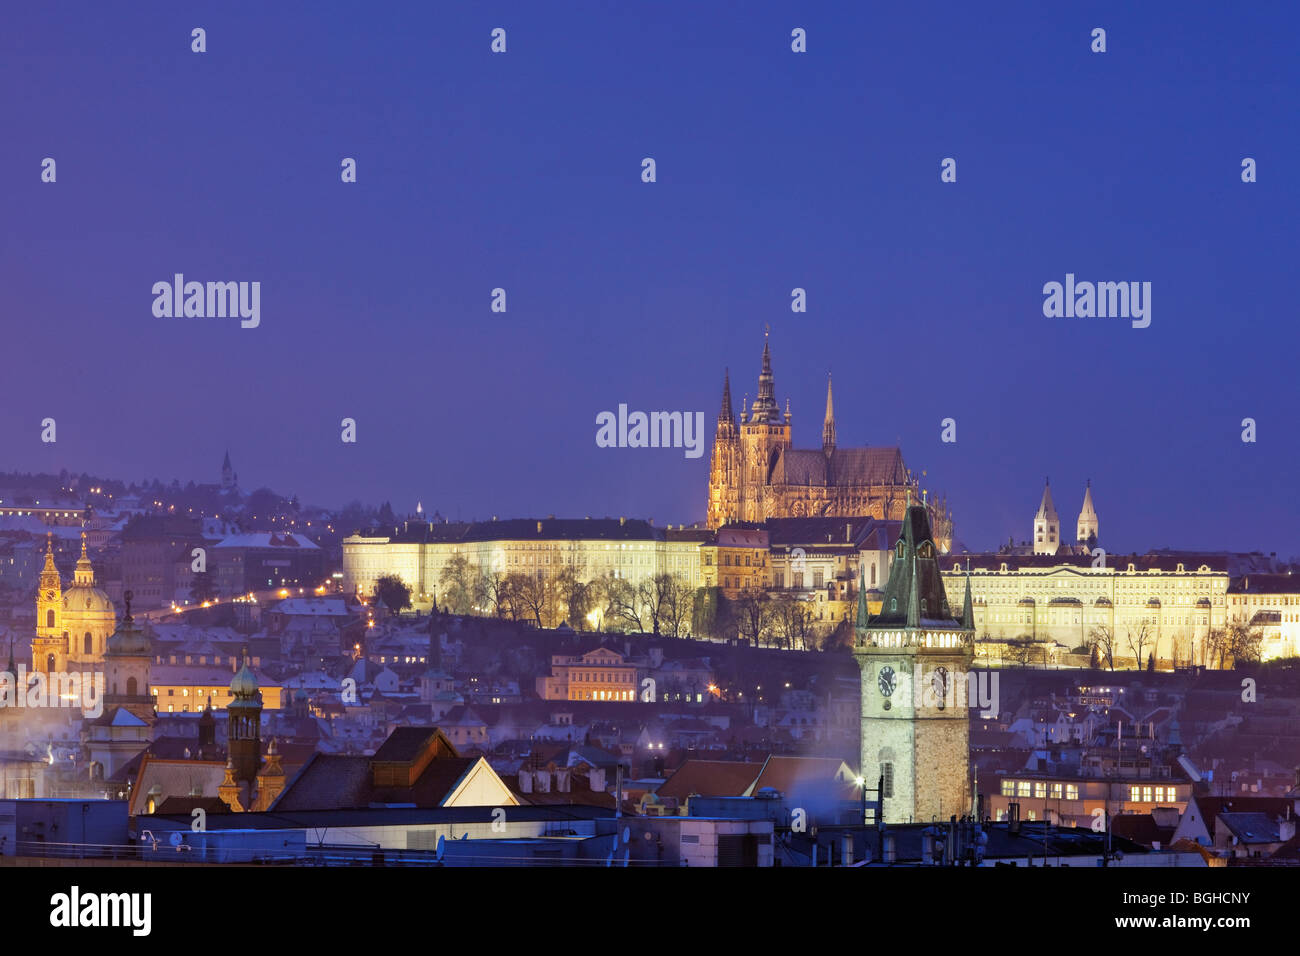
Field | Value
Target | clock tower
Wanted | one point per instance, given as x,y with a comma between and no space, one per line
915,657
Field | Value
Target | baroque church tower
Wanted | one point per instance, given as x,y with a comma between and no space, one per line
915,657
49,647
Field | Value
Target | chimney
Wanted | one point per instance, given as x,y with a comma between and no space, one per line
596,779
525,781
543,781
1286,829
562,781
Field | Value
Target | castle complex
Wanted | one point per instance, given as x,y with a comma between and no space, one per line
756,473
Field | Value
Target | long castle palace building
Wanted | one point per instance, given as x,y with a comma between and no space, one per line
756,473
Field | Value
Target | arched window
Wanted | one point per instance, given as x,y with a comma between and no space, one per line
873,575
130,687
893,605
89,644
49,618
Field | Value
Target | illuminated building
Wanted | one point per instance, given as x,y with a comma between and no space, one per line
755,473
418,551
1271,603
1057,601
72,626
600,674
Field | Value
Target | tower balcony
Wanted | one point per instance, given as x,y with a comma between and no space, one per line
938,639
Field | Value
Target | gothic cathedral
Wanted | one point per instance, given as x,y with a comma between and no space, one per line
755,473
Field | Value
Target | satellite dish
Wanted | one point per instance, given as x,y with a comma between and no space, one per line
177,838
627,834
441,846
609,860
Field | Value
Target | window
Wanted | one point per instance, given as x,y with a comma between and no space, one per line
1040,789
1022,788
89,643
1057,790
1072,791
1135,794
887,774
1008,788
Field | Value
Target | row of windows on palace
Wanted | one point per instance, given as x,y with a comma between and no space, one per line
1044,790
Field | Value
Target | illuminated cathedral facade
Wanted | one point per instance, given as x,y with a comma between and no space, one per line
756,473
73,625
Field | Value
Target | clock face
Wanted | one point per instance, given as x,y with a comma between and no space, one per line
887,681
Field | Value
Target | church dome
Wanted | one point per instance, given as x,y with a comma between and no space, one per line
128,639
243,686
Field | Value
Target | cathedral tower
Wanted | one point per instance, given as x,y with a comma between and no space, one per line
1047,526
1088,527
915,658
724,466
764,433
50,646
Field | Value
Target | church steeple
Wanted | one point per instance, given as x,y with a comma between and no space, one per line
1047,526
1088,526
828,426
967,608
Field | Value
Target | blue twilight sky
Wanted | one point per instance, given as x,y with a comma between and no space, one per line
775,170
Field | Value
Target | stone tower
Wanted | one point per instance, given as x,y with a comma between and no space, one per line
1047,526
724,466
50,646
1088,526
915,658
764,433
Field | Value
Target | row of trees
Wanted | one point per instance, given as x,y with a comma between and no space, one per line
663,604
1224,646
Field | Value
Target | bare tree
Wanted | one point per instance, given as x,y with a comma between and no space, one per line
456,584
1243,643
1103,637
752,614
535,594
1137,640
1216,645
625,603
678,606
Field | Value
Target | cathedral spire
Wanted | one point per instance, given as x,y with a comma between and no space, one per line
725,415
828,427
765,408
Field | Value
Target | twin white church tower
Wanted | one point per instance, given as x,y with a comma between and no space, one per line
1047,524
